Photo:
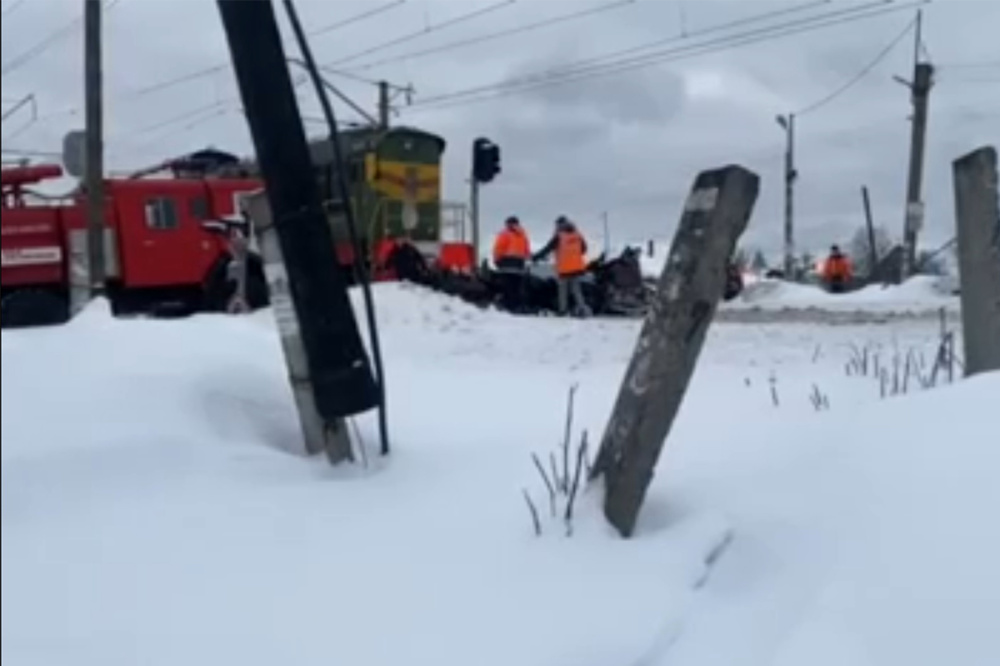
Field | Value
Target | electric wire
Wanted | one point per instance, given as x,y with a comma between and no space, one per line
449,23
493,36
19,131
53,38
615,59
224,66
12,7
215,69
185,116
42,46
983,64
343,23
636,51
865,71
575,73
27,152
340,166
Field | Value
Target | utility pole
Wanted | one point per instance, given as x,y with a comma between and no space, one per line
474,219
607,232
787,123
920,88
384,105
94,176
873,257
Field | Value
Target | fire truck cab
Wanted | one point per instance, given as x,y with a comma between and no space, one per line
163,248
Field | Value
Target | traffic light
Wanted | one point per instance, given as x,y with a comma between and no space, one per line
485,160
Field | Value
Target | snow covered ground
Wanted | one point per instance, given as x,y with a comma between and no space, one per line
769,300
152,512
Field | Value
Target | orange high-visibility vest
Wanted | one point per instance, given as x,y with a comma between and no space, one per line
571,256
511,244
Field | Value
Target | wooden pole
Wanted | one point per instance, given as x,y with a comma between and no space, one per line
873,257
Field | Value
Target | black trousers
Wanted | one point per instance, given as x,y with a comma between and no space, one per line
512,290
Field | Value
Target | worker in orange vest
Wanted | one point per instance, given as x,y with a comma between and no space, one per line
511,252
512,249
570,248
837,271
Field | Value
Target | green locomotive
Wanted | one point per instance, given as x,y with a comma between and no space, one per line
394,182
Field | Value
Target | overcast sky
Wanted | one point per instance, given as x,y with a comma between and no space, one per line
627,143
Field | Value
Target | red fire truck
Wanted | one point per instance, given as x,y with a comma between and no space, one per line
163,250
167,240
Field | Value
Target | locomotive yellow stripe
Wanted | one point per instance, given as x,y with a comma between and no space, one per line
405,181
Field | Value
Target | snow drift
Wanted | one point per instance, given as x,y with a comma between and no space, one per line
152,514
918,295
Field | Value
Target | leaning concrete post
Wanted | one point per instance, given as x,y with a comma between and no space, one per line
693,281
978,221
319,436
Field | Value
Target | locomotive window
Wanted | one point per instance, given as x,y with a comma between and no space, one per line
161,214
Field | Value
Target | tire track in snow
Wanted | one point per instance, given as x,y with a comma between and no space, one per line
673,629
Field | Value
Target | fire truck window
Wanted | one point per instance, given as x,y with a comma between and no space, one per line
199,208
161,214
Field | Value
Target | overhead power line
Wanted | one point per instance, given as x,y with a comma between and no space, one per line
450,23
594,67
618,57
210,110
11,7
983,64
25,152
41,47
343,23
501,34
204,72
637,50
26,101
53,38
865,71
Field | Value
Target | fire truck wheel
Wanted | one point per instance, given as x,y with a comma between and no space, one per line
30,308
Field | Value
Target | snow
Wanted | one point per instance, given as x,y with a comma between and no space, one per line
152,513
919,295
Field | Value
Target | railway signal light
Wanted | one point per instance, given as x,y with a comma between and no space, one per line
485,160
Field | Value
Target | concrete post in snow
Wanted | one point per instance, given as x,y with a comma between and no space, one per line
978,221
239,248
78,262
693,281
318,436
